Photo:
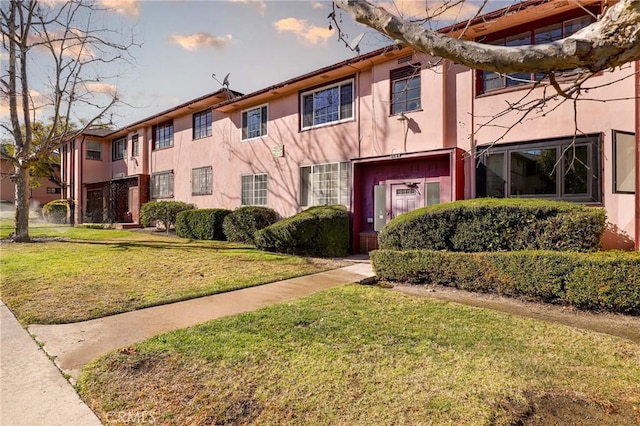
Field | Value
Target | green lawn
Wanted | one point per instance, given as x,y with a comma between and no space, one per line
364,355
96,272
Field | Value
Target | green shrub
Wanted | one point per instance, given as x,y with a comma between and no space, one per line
56,211
162,211
600,281
317,231
241,225
489,224
201,224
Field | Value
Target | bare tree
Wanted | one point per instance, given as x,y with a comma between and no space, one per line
62,40
611,41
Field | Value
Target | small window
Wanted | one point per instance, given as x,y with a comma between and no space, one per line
327,105
163,136
162,185
94,150
135,146
405,89
624,162
254,190
119,148
325,184
202,124
201,181
254,123
53,190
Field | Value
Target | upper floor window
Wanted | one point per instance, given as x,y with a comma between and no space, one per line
202,124
119,148
163,135
492,81
162,184
254,190
94,150
558,169
254,123
201,181
325,184
405,89
327,105
135,145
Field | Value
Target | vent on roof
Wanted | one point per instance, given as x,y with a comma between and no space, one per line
405,59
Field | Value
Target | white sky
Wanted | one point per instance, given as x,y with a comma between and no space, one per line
259,42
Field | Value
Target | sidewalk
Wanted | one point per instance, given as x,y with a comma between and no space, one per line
32,390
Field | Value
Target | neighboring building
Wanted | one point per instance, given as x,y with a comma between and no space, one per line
43,190
383,133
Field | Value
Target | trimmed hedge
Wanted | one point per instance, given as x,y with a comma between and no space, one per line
241,225
317,231
201,224
162,211
490,224
56,211
607,281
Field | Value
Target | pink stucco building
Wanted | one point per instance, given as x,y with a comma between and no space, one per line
382,133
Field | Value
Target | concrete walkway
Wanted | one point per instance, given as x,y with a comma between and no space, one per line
32,390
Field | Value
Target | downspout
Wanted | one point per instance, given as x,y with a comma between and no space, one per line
637,189
80,197
472,154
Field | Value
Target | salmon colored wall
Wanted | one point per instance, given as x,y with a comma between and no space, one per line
38,196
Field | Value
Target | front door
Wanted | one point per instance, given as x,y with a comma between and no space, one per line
405,198
95,206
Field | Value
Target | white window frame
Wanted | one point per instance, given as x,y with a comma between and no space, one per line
97,147
324,88
252,191
311,181
156,192
119,148
264,123
202,176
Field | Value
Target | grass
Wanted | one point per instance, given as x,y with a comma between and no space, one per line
361,355
97,272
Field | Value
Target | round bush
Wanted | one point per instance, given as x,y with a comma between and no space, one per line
241,225
162,211
317,231
201,224
56,211
490,224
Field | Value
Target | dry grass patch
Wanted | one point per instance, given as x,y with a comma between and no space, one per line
103,272
361,355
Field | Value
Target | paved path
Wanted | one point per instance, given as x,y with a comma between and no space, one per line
32,390
74,345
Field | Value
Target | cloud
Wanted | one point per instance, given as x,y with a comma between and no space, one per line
194,41
317,5
126,7
259,5
300,27
419,9
37,101
103,88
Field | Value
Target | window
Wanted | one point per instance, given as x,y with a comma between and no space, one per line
119,148
202,124
557,169
405,89
94,150
254,123
624,162
163,136
493,81
325,184
254,190
327,105
162,185
201,181
135,146
53,190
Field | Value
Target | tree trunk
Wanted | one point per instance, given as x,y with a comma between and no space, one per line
21,179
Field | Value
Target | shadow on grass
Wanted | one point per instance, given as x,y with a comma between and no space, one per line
170,245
